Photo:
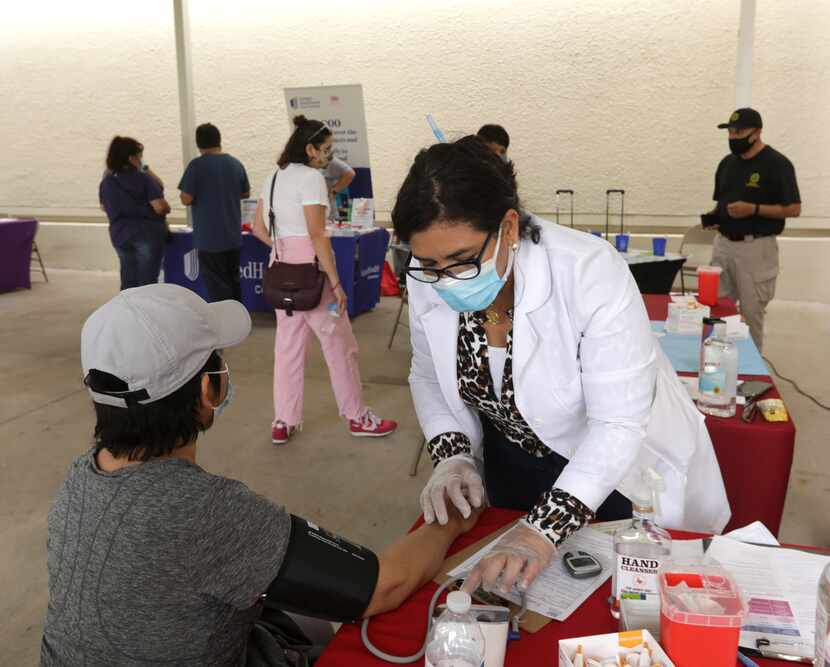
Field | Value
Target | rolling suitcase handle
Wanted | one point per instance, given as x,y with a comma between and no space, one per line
608,194
565,192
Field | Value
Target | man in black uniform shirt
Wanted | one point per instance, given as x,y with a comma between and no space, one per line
755,191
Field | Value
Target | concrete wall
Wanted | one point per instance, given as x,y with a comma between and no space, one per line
595,93
87,246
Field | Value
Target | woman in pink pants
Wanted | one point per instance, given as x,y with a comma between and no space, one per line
299,199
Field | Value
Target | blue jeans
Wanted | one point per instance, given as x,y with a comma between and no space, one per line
140,258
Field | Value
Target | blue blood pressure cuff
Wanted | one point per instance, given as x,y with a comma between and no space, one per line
323,575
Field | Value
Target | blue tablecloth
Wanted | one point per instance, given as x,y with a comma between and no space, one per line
359,261
684,353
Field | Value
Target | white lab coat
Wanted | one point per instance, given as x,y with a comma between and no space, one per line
590,379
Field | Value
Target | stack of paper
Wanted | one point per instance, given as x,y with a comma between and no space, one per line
780,587
754,533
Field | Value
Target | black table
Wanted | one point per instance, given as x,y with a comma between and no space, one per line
654,275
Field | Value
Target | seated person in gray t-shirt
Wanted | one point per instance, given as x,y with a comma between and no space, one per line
338,175
154,560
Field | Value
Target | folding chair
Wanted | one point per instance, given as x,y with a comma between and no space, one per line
404,302
696,246
36,255
400,254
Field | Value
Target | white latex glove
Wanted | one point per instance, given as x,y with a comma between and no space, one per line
458,479
521,554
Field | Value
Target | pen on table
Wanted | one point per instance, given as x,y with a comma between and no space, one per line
746,660
777,650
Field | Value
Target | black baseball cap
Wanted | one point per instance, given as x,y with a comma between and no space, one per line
741,119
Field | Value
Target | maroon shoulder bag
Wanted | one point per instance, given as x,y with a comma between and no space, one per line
290,287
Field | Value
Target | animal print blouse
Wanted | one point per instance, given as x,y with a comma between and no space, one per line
556,514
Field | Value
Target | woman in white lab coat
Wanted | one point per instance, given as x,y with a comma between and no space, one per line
535,376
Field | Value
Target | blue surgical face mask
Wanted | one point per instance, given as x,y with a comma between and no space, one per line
469,296
219,409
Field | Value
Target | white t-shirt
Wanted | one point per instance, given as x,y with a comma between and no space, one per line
297,186
498,360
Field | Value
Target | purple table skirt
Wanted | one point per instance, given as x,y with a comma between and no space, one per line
16,237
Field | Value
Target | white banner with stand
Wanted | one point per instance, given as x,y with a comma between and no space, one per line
341,109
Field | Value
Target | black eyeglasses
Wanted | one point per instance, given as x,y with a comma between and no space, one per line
466,270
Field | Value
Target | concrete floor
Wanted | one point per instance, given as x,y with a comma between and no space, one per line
359,488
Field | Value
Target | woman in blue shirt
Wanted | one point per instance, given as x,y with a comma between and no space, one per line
134,202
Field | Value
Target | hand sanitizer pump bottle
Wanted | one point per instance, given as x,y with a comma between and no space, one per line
641,547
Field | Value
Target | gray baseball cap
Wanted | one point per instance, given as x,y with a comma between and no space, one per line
156,338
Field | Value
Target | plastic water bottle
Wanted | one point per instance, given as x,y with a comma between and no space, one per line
331,320
718,379
455,639
823,620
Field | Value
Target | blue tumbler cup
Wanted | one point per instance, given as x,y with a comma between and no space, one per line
621,242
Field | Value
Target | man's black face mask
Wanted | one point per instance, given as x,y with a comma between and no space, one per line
740,146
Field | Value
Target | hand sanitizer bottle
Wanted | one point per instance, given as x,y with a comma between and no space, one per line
718,379
640,548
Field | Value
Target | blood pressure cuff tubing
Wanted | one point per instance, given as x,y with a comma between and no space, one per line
323,575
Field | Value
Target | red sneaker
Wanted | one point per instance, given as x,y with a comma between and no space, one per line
281,433
371,426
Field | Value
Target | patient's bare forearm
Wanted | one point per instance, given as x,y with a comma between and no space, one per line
410,562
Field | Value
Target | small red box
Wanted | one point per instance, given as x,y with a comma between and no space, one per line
701,614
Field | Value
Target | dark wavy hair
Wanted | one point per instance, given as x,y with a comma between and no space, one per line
141,432
120,151
305,132
462,181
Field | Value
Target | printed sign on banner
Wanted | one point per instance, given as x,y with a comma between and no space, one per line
341,109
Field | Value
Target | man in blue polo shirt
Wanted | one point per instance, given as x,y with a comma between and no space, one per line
213,185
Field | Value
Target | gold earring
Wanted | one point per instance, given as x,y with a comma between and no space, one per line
515,247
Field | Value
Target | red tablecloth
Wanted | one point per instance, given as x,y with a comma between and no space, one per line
755,458
402,631
657,306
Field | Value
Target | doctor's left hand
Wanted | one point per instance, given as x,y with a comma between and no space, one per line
519,556
456,479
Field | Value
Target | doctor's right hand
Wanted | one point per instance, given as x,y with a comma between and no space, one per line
517,558
455,478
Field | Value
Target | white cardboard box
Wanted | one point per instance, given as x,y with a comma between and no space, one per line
606,646
686,318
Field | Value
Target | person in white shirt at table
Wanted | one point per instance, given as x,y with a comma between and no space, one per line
537,381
